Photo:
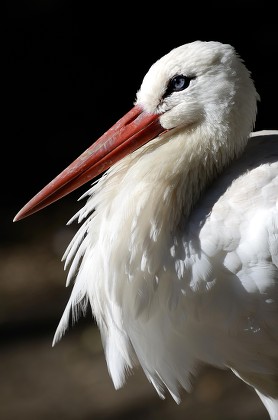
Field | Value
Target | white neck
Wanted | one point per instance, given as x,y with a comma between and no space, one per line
161,182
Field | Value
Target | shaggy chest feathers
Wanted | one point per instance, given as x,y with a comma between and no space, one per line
140,273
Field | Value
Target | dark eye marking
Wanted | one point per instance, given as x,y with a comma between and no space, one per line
177,83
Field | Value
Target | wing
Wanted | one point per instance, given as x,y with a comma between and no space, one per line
236,229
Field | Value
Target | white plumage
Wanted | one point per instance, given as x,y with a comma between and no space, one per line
178,251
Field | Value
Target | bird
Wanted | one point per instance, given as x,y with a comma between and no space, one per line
176,254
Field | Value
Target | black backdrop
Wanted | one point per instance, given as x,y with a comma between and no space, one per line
73,68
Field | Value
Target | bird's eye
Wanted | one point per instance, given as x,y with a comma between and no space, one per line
177,83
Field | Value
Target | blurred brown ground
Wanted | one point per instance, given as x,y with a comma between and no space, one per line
70,381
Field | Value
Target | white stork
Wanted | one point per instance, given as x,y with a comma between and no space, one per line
178,251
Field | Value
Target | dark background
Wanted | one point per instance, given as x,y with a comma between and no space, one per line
71,69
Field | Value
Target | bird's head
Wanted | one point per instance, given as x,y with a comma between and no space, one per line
200,85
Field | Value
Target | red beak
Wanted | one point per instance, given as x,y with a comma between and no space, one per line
132,131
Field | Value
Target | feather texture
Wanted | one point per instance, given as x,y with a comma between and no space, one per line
177,251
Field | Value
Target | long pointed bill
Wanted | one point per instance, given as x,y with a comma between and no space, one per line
132,131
